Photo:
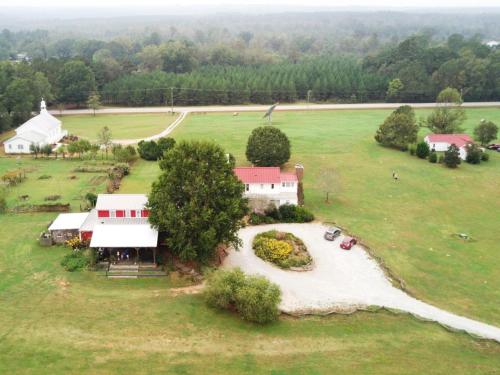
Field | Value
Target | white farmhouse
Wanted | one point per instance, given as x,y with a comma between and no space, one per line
268,185
43,129
441,142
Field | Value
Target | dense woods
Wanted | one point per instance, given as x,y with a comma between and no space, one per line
345,58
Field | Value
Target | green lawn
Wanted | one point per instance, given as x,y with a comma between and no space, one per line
411,223
55,322
130,126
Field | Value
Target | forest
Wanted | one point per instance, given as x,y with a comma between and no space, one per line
331,57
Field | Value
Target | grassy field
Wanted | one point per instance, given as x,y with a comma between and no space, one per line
130,126
55,322
411,224
51,177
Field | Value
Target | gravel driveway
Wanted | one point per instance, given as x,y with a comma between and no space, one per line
340,279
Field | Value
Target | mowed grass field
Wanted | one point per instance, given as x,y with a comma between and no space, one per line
412,224
129,126
55,322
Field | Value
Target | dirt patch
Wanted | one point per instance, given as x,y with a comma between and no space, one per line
97,180
193,289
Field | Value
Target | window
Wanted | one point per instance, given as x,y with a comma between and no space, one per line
262,186
20,147
283,184
10,146
247,187
272,186
112,213
138,213
287,184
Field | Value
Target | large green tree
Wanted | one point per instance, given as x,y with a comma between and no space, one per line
399,129
268,147
75,81
449,116
197,200
486,132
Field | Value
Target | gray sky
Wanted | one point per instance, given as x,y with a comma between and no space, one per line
295,3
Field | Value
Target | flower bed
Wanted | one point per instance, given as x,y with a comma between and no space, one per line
283,249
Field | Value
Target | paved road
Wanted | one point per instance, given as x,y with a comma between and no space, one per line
254,108
340,280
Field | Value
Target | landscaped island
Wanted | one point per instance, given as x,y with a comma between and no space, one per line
282,249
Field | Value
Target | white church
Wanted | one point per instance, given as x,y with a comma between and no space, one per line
43,129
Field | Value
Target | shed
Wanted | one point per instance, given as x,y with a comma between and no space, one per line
67,226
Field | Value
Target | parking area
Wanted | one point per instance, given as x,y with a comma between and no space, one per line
339,280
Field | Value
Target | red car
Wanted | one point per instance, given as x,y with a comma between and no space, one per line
347,243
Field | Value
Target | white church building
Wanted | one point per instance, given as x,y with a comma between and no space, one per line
43,129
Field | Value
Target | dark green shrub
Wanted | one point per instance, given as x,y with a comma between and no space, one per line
452,157
91,198
433,158
422,150
148,150
255,298
258,219
474,154
75,261
485,156
441,159
294,214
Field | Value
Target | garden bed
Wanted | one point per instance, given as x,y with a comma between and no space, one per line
282,249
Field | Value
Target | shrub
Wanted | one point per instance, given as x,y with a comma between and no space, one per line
44,177
91,198
272,246
76,260
422,150
441,159
473,154
485,156
258,219
294,214
412,149
124,154
148,150
3,200
255,298
433,157
452,157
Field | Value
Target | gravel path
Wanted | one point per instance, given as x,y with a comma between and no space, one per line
164,133
340,279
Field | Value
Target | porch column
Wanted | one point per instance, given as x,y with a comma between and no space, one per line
137,251
154,255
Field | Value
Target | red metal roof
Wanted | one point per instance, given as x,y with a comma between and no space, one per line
458,139
263,175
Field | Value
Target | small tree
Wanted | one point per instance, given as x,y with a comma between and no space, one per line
486,132
35,149
94,102
104,138
148,150
448,117
124,154
197,200
452,157
474,154
394,89
165,144
422,150
433,158
399,129
91,198
268,147
46,150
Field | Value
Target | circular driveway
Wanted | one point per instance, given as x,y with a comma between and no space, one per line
339,280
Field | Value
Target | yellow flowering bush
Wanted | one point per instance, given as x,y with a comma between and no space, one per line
271,249
74,243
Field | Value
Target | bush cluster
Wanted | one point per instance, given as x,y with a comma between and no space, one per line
151,150
289,213
76,260
255,298
124,154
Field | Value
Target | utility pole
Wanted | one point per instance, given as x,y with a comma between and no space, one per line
172,100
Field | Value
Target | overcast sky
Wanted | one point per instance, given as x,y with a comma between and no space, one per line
240,3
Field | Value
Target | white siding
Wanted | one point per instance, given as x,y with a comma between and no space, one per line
17,146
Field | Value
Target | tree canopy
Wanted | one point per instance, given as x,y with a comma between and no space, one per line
486,132
399,129
448,117
268,146
197,200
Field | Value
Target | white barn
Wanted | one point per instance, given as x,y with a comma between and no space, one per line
43,129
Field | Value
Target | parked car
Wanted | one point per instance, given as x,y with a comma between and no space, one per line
347,243
494,146
332,233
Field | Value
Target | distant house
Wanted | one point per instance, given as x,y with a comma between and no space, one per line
441,142
43,129
268,185
493,44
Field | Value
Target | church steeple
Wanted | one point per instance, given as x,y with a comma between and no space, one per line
43,106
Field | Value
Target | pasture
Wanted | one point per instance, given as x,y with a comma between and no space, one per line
58,322
130,126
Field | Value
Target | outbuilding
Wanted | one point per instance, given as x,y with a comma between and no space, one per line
67,226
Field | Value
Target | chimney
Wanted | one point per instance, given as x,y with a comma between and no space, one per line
299,171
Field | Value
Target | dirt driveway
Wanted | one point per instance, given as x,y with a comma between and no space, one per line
339,280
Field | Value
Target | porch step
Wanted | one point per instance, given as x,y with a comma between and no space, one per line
117,276
124,267
134,271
